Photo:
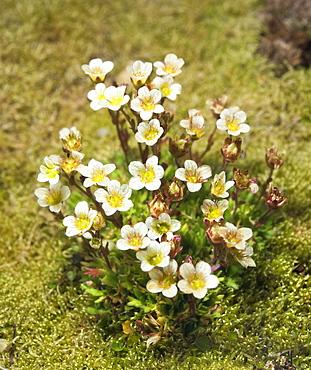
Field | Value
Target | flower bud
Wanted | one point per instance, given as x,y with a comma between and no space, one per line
158,205
212,232
218,105
174,191
178,148
241,178
98,222
273,159
275,198
232,151
95,243
175,245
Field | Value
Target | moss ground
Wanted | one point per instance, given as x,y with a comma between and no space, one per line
42,45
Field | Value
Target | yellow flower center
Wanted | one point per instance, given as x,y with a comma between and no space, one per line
51,172
218,188
151,133
70,165
197,284
167,281
98,176
97,71
54,198
232,238
192,176
197,130
155,259
214,214
170,68
165,89
117,100
135,240
139,74
82,223
163,228
147,175
115,200
148,105
233,125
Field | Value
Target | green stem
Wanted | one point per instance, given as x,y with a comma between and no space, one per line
210,143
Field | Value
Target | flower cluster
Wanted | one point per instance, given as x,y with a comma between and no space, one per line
144,215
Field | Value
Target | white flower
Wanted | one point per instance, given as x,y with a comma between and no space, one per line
163,280
234,237
153,338
146,175
193,175
171,66
149,132
146,103
197,279
96,173
219,185
115,97
97,69
115,198
53,197
133,237
71,139
168,88
156,254
161,225
139,72
243,256
50,172
72,162
97,97
81,222
214,211
194,125
233,123
66,133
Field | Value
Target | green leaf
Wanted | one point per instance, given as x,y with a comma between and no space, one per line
232,335
117,345
204,343
92,311
94,292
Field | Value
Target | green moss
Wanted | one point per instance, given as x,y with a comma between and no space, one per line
43,44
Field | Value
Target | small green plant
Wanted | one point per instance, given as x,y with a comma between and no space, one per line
158,244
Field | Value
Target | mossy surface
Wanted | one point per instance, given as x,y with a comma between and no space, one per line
42,45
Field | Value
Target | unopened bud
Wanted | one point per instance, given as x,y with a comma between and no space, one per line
178,148
175,246
95,243
212,232
275,198
158,205
232,150
174,191
98,222
241,178
218,105
273,159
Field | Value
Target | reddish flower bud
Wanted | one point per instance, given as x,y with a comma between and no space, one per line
178,148
273,159
158,205
232,151
241,179
275,198
174,191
